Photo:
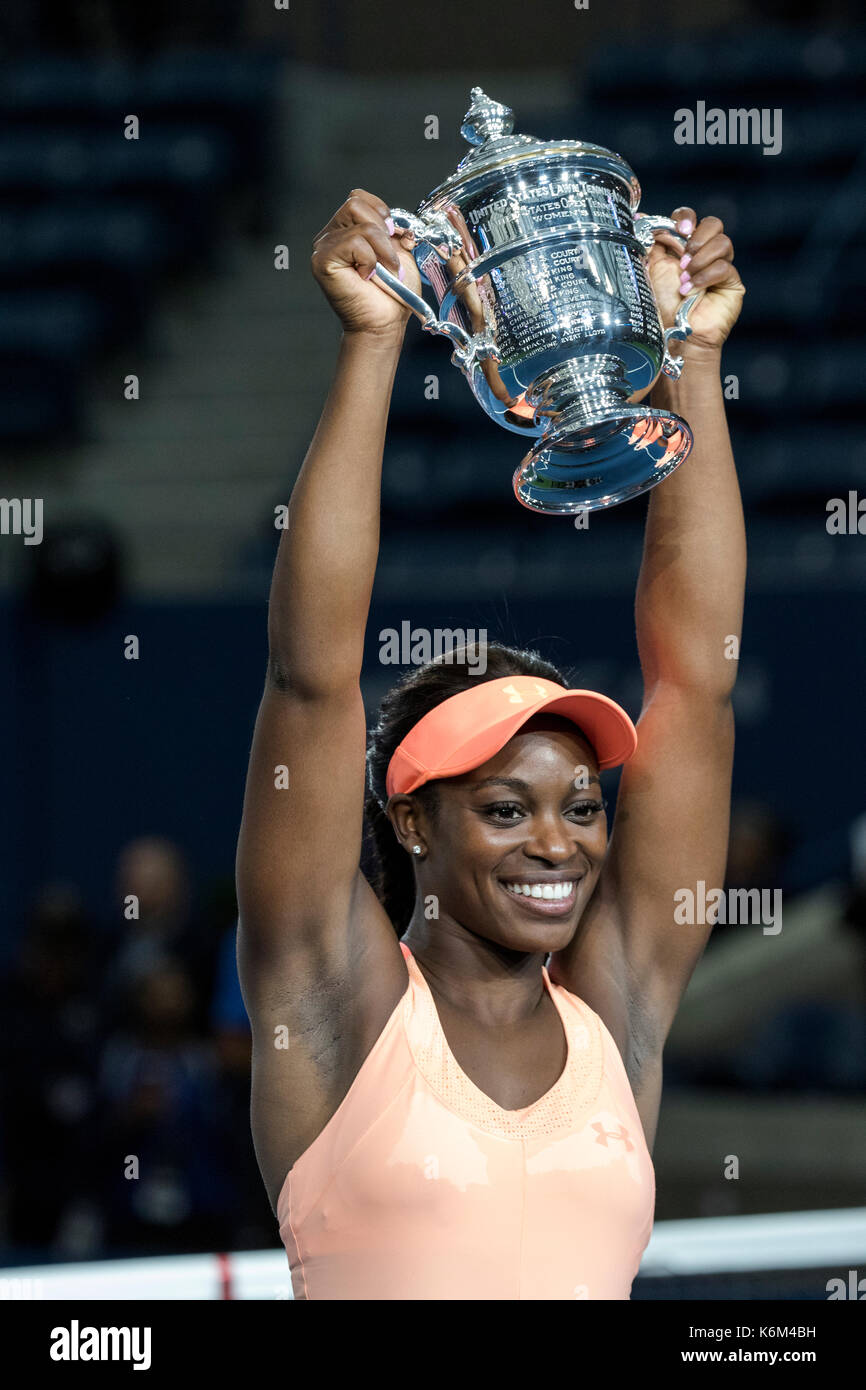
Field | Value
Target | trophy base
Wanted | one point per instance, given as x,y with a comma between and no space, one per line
598,460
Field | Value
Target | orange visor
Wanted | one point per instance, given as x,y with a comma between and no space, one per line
465,730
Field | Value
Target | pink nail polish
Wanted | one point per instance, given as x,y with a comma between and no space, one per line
372,273
686,226
686,286
684,261
389,223
402,272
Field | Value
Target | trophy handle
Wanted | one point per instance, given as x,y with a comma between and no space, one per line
645,224
438,232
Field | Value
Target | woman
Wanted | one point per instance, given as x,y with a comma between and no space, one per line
437,1112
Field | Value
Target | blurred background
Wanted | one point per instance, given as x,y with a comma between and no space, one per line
160,380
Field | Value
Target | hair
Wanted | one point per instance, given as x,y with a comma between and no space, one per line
413,697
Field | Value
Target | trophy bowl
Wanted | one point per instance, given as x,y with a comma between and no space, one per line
536,254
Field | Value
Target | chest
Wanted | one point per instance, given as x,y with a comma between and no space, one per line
514,1066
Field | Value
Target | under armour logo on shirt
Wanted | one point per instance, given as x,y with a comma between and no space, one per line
602,1135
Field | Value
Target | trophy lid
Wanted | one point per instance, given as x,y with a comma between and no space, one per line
488,128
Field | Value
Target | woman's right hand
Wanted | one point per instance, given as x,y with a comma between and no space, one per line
344,254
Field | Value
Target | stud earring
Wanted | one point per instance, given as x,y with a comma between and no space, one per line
416,849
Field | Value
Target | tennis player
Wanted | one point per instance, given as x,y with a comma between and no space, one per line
457,1069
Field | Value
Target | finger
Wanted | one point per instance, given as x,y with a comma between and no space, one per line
719,273
718,248
355,212
686,220
707,228
360,207
379,238
361,247
360,200
670,242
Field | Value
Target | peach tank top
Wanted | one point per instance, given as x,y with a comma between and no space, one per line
421,1187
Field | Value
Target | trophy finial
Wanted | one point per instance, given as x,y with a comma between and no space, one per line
486,119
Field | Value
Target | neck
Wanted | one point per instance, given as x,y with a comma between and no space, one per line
496,986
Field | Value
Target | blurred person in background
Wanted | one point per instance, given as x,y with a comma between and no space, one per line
157,922
165,1178
808,1043
757,847
50,1041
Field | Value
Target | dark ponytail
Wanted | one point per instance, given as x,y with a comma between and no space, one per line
419,691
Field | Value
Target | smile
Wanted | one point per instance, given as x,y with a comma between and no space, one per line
548,899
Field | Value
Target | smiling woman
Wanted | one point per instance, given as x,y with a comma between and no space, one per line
405,735
471,1085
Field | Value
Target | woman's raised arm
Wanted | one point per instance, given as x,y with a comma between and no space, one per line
300,840
631,957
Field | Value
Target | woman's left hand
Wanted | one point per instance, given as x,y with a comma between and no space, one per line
709,266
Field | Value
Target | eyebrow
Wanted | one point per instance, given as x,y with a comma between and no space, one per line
516,783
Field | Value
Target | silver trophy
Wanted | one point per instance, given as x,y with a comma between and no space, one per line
535,251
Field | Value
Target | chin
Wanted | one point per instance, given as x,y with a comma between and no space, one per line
532,938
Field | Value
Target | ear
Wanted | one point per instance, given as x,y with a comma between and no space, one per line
405,816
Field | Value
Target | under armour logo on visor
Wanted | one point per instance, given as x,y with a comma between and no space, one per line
515,697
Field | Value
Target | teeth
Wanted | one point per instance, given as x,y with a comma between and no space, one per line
555,891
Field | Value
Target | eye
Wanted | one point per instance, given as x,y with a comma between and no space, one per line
508,812
500,810
586,810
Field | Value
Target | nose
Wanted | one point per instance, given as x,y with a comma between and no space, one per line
549,840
